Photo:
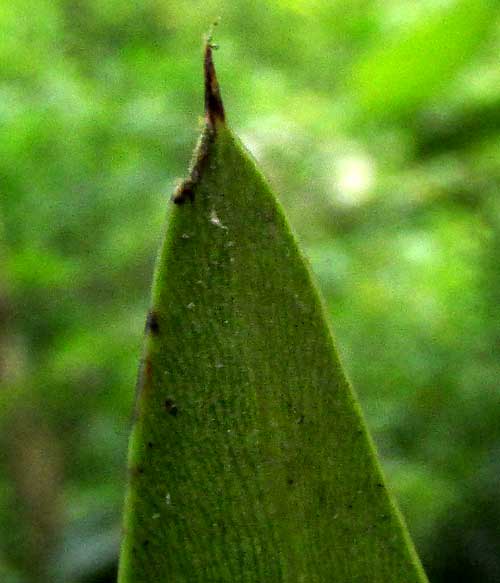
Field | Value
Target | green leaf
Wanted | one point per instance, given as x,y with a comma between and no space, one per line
249,459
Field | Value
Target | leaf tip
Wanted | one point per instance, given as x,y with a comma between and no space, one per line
214,108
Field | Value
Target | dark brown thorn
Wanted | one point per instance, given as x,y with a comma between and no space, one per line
184,192
214,109
152,324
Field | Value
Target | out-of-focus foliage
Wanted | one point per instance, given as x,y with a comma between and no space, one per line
377,120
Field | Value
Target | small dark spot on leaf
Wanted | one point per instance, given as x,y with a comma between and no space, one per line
349,506
290,481
171,407
152,324
150,444
148,372
136,471
146,543
380,485
300,420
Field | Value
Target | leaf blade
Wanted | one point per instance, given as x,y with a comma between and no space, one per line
249,458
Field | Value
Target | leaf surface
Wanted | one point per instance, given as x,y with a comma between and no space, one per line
249,460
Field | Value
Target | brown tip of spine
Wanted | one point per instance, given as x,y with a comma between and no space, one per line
214,109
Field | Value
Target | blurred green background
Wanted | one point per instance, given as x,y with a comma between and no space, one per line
376,122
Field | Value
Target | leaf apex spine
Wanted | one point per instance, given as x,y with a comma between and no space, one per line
214,108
